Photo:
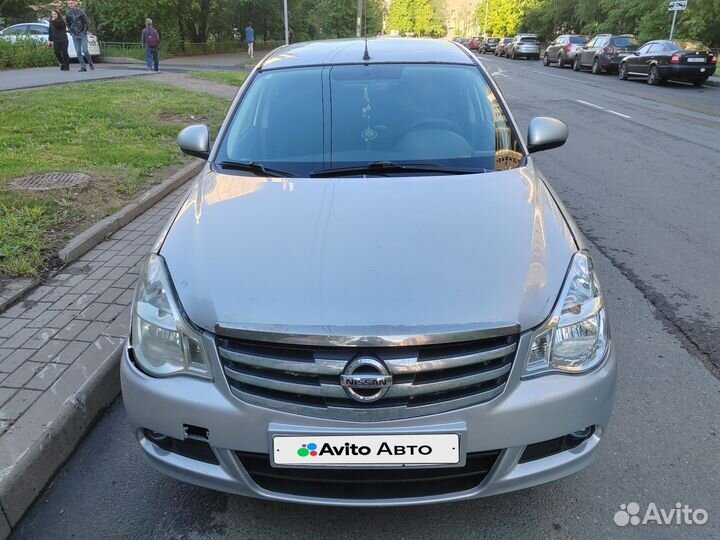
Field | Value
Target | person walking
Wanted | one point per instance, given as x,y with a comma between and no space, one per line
78,24
250,38
57,35
151,42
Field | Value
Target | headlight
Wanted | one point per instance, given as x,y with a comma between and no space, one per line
576,337
163,343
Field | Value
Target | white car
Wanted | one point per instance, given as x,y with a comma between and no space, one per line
39,32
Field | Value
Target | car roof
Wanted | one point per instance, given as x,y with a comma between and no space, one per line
381,50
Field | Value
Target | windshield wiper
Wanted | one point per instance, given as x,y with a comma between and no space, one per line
254,167
380,167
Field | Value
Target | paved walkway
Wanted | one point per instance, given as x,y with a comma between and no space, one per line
16,79
64,333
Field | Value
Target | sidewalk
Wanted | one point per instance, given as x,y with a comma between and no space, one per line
60,346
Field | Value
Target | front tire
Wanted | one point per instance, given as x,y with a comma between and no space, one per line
576,64
560,61
546,60
513,57
596,69
623,72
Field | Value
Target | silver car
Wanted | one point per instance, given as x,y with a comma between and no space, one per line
370,296
525,46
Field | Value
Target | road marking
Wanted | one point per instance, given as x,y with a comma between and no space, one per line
552,75
621,115
590,104
500,73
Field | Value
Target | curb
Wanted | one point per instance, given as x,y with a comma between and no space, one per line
713,81
118,60
30,473
17,289
91,237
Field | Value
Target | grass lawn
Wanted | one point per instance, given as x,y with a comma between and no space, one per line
121,133
233,78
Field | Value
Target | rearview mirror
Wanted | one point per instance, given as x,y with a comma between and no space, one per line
195,141
545,133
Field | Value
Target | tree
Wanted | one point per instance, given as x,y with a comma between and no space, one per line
421,17
16,11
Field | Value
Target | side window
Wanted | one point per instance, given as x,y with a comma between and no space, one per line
37,29
591,43
16,30
653,48
644,48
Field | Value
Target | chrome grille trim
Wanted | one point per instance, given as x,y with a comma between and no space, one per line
426,379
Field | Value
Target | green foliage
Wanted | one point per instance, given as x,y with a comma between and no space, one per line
24,53
233,78
121,133
420,17
15,11
647,19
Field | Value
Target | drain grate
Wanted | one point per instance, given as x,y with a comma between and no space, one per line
48,181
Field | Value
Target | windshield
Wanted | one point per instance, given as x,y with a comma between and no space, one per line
306,120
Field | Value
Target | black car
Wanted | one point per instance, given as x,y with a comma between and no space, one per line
489,45
662,59
604,52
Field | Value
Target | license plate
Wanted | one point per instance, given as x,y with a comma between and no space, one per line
310,450
696,60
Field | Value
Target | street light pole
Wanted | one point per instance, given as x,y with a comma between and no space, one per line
287,35
672,28
358,22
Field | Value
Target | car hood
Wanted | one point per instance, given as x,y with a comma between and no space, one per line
489,249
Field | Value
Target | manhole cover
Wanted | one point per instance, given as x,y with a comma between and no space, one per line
45,182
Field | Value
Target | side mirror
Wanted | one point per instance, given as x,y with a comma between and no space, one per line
545,133
195,141
636,53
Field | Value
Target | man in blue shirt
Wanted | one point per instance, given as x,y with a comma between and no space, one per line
250,38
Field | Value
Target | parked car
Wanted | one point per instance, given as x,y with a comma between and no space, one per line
300,333
501,48
489,45
525,46
604,52
39,31
462,40
563,49
475,43
661,60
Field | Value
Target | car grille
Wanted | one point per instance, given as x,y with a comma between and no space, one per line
379,483
426,379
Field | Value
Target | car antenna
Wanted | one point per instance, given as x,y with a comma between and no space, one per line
366,54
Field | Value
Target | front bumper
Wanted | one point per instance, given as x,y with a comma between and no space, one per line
529,411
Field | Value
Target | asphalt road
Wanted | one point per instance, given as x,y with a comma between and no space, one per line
642,182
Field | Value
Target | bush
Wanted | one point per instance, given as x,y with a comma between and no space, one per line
25,53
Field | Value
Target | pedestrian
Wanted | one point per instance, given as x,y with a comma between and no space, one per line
151,42
78,24
267,34
250,38
57,35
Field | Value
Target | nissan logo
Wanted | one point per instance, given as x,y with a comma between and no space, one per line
366,379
